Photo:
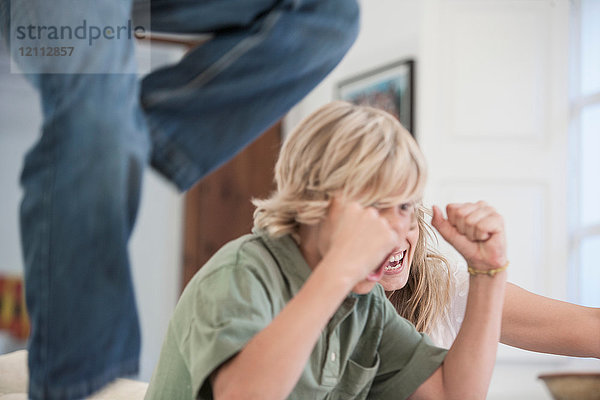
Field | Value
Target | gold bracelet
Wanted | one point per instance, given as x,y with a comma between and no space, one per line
489,272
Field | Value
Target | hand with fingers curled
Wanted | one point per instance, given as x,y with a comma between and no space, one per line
476,230
359,234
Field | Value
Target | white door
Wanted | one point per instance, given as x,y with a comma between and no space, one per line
493,122
493,115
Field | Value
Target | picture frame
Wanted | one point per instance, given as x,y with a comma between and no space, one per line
390,87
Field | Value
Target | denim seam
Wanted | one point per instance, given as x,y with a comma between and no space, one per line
239,50
221,64
171,161
48,203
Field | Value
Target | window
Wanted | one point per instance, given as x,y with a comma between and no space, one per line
585,152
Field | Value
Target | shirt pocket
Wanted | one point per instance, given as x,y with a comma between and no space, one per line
357,379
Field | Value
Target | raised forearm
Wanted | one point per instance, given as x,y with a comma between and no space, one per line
468,366
477,232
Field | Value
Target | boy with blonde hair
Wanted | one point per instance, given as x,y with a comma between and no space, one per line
294,310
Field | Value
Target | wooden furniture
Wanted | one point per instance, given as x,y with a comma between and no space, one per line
218,208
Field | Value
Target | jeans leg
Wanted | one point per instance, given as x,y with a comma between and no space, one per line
81,182
226,92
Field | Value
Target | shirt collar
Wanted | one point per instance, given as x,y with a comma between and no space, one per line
294,267
286,252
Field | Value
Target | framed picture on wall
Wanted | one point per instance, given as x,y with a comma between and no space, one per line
390,87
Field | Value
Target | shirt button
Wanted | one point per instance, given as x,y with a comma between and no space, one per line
333,357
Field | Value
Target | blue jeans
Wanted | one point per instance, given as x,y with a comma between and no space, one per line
82,179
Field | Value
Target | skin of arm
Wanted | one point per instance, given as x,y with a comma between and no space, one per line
270,364
538,323
477,232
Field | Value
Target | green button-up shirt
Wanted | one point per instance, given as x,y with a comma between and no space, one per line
365,351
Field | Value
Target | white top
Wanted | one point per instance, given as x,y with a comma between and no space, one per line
446,329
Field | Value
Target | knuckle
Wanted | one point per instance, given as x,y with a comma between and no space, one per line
471,219
461,213
480,228
372,213
451,207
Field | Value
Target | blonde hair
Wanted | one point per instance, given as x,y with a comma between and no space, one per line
364,154
426,295
358,152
